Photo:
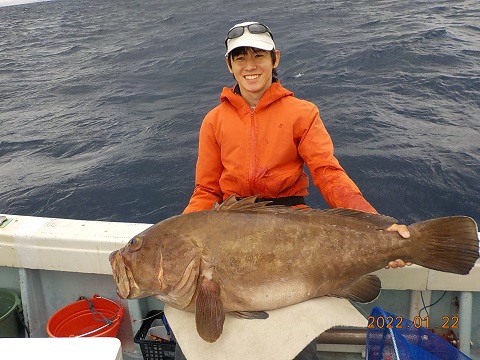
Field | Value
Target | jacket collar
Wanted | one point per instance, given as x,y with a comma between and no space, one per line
275,91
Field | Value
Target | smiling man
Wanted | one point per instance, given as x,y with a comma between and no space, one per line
259,138
254,64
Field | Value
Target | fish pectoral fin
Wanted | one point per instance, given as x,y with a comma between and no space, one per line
209,314
250,314
363,290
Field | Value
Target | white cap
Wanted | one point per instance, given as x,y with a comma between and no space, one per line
260,41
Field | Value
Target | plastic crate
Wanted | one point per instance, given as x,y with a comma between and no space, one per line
154,349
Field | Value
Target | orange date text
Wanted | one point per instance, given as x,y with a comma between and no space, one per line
397,322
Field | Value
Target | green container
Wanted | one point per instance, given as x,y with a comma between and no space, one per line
10,326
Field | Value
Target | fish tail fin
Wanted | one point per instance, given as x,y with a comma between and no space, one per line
448,244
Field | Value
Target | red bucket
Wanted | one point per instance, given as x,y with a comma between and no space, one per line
94,317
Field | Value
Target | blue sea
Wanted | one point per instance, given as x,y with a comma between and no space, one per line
101,101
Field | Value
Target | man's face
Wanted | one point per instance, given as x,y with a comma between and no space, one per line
253,71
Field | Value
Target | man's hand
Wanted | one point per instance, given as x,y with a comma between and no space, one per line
403,231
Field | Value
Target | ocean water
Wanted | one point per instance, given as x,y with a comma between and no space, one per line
101,101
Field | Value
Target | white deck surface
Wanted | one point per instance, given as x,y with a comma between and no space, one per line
61,348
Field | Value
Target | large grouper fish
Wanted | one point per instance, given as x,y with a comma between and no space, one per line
246,258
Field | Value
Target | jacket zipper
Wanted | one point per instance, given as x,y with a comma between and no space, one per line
253,156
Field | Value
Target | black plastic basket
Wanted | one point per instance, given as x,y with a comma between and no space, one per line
154,349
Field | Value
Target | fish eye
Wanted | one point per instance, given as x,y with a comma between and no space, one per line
135,243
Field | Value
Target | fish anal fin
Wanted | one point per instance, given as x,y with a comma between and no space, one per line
209,314
363,290
250,314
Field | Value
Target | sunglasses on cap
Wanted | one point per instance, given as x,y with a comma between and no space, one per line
256,28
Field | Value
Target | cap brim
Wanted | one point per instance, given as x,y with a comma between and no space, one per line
260,41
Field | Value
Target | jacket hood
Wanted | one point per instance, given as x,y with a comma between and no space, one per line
274,92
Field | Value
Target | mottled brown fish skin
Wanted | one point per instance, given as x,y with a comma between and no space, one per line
245,257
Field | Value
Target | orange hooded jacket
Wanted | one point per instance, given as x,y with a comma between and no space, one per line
262,151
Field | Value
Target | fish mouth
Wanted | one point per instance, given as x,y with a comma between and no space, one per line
127,288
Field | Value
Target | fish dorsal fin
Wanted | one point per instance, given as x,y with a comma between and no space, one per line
248,203
363,290
209,314
377,220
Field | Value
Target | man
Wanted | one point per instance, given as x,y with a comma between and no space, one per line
257,141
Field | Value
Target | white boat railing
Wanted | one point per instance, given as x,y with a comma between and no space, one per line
79,246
